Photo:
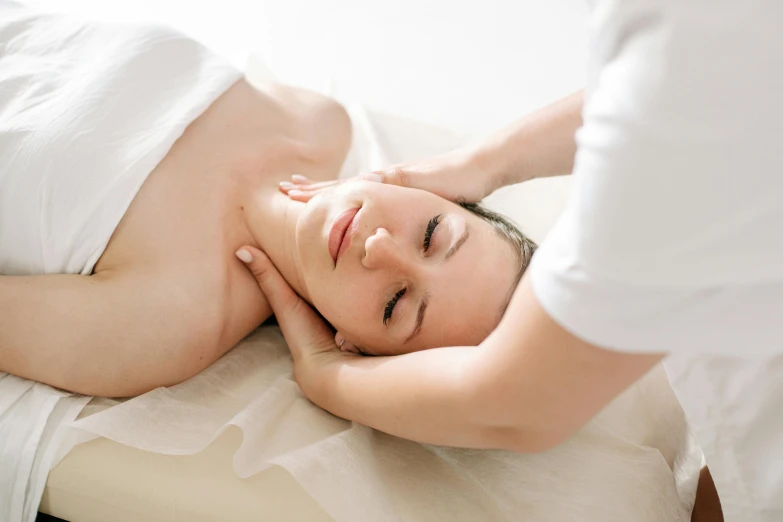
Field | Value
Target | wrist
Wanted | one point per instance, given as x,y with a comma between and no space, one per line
317,376
499,164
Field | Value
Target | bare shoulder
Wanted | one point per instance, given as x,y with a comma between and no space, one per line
321,124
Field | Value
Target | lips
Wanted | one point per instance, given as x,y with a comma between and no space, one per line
341,232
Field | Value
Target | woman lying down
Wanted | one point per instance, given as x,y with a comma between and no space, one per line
133,174
109,291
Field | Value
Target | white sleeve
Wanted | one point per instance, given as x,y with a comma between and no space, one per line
673,238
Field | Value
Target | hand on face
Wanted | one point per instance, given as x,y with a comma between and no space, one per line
455,176
413,270
313,345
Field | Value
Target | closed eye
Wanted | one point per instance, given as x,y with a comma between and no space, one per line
387,312
431,226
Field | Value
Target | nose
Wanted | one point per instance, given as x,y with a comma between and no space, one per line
381,250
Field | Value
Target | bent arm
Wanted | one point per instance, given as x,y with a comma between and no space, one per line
96,335
528,387
539,145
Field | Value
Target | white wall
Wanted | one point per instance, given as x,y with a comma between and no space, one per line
469,65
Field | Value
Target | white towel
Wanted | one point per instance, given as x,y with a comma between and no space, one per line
87,110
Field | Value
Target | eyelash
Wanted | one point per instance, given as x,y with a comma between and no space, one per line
431,226
387,313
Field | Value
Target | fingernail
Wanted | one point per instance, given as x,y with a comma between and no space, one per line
373,177
244,255
298,178
339,339
286,184
294,192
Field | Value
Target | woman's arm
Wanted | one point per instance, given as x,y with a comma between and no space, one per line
96,335
539,145
527,388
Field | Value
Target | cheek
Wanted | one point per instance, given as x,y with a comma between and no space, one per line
348,307
340,304
309,241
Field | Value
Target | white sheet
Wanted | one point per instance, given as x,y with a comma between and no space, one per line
617,469
87,110
31,441
636,461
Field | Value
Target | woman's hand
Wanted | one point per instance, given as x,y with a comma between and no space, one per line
458,176
311,341
539,145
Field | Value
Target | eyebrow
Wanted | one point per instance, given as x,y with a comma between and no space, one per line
458,243
425,301
419,318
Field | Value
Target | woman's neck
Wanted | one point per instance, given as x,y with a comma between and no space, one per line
271,217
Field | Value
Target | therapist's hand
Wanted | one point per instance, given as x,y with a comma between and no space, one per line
311,341
459,175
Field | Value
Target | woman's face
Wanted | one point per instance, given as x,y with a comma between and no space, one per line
413,271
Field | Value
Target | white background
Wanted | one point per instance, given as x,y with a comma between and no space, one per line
471,66
468,65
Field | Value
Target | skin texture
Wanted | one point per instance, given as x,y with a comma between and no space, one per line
539,145
466,293
528,386
465,290
168,297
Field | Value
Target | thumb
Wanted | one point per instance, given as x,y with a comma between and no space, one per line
392,176
303,329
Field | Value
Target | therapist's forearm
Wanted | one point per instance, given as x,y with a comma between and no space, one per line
425,396
433,396
541,144
528,387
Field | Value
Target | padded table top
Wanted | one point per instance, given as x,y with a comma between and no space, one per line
103,480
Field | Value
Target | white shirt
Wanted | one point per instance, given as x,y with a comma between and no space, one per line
673,238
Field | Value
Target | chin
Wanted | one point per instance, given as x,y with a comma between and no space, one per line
312,220
311,239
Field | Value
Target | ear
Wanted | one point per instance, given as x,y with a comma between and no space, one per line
344,345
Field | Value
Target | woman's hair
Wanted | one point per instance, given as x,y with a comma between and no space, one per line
522,246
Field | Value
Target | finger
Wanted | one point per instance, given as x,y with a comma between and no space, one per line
300,180
286,186
393,176
277,291
320,185
307,185
301,326
343,345
302,195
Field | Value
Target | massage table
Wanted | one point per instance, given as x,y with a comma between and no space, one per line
103,479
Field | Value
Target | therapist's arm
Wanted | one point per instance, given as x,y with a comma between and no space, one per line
528,387
539,145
